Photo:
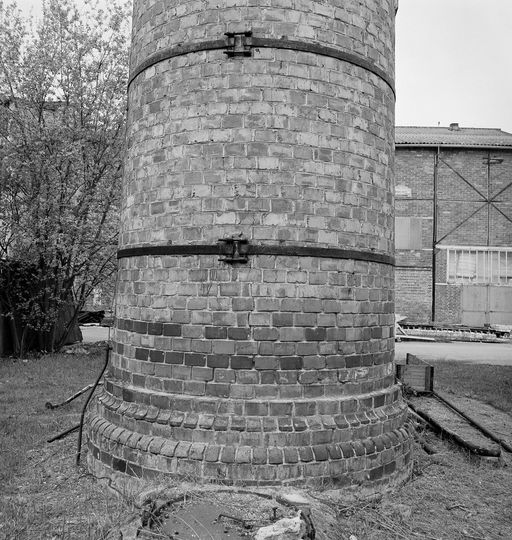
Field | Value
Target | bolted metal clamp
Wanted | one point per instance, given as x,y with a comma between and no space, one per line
239,43
235,250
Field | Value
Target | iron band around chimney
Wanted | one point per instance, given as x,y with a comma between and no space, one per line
238,251
233,47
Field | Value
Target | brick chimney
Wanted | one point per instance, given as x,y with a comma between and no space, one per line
254,338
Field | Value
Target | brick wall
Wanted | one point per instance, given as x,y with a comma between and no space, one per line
448,303
458,200
281,370
365,27
414,289
462,189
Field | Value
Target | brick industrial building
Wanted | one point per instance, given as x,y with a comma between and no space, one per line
454,194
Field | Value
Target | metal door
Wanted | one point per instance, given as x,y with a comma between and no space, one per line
486,304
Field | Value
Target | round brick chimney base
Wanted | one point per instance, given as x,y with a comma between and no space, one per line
375,461
254,334
351,486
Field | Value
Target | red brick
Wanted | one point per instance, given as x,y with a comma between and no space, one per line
315,334
172,330
238,333
215,332
290,362
243,454
275,456
254,408
174,357
241,362
195,359
217,361
227,454
212,453
217,389
259,456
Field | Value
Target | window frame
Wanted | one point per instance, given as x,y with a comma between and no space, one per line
486,270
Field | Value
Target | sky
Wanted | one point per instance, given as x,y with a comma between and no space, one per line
453,62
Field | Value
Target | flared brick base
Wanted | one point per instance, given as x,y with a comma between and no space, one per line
358,444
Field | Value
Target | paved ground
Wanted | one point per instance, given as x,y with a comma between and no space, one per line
498,354
479,353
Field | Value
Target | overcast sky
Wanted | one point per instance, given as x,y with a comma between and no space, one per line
453,62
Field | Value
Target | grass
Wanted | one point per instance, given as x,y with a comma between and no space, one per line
450,497
26,385
44,496
490,384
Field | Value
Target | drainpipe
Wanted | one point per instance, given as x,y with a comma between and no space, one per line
434,234
488,199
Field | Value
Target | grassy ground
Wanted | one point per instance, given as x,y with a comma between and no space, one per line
491,384
44,496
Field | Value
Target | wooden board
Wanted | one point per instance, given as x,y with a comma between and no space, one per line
416,374
453,425
499,423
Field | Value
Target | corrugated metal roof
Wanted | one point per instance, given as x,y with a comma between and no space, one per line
450,136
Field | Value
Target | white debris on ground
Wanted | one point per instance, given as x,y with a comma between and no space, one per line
284,529
75,349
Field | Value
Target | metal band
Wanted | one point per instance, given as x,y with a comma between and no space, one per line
250,249
172,52
268,43
322,50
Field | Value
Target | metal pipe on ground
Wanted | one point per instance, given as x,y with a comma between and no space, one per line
49,405
89,397
64,434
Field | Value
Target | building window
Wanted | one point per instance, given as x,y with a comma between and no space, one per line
403,192
479,265
408,233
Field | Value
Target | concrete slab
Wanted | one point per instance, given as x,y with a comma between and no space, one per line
91,334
